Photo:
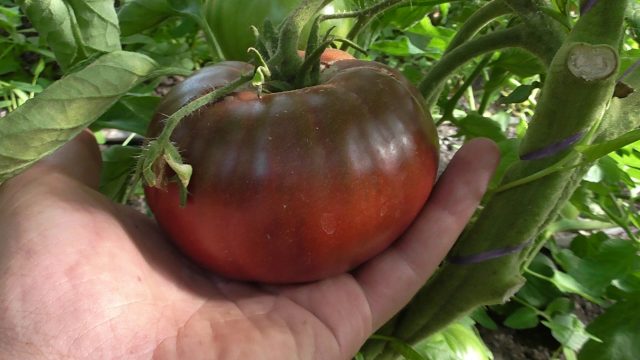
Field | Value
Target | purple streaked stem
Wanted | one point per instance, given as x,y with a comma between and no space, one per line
487,255
587,6
553,149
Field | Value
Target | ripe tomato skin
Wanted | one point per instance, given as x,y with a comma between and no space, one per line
301,185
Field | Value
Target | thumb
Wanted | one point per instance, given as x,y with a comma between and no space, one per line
78,160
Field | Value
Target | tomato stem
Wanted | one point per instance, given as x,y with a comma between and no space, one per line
286,63
477,21
431,84
216,51
161,152
453,101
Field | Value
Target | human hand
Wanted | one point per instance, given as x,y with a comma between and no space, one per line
82,277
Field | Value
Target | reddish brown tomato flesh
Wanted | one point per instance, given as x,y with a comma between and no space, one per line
301,185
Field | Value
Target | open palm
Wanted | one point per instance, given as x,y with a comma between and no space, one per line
84,278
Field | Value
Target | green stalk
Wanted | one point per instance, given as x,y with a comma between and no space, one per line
468,30
431,84
451,103
286,62
216,51
477,21
161,151
546,34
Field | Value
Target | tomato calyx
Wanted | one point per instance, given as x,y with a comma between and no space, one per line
308,63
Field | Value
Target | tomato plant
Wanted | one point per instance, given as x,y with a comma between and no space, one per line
299,185
557,83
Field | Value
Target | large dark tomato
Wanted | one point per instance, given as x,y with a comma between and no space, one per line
299,185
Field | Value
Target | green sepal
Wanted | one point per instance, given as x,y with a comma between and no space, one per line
149,156
174,160
268,39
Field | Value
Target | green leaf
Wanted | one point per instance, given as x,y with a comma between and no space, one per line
566,283
9,17
455,342
401,347
561,5
522,318
568,330
9,64
131,113
437,38
52,19
569,354
117,165
139,15
618,328
74,29
598,262
25,86
633,17
481,317
401,17
519,63
628,286
98,24
67,106
539,292
476,125
520,94
561,305
398,47
190,8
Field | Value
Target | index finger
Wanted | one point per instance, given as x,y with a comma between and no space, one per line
391,279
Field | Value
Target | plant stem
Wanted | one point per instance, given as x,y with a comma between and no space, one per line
477,21
511,37
545,35
156,149
365,17
559,166
472,26
173,120
451,103
216,51
618,219
531,307
286,62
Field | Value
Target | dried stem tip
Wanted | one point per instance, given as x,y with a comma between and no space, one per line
592,62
